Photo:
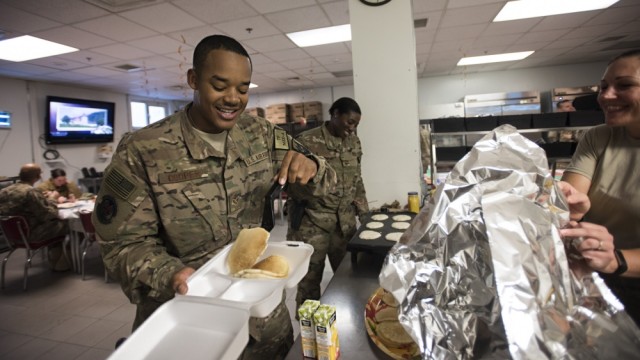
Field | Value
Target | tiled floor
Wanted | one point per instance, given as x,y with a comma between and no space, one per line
61,316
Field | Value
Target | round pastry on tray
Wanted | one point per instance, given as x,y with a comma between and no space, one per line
379,217
394,236
400,225
401,217
384,329
369,235
374,225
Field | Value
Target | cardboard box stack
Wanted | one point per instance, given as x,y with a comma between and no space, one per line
279,113
297,111
313,110
255,111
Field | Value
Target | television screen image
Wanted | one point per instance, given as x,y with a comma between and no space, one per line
72,121
5,120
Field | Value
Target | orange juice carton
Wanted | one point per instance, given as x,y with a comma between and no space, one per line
307,327
327,344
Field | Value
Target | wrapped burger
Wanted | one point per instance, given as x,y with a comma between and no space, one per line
483,272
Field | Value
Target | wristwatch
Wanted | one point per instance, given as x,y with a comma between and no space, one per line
622,263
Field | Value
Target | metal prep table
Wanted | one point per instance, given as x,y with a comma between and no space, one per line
349,290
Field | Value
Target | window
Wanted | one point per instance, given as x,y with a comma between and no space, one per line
144,112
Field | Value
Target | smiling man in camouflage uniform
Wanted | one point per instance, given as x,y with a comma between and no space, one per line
179,190
327,223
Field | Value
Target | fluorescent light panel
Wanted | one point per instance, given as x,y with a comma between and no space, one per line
485,59
252,85
524,9
322,36
27,47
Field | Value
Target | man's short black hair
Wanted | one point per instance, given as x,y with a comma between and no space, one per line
216,42
345,105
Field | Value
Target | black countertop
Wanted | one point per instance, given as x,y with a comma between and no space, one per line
349,290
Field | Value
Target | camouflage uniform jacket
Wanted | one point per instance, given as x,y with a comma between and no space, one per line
169,199
64,190
339,207
25,200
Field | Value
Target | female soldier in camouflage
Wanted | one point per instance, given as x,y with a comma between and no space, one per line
327,223
179,190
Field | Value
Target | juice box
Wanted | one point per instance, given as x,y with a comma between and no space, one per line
327,344
307,327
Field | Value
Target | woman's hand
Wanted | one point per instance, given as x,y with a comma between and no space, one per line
595,244
579,203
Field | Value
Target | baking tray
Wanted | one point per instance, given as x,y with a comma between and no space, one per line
189,328
259,296
380,245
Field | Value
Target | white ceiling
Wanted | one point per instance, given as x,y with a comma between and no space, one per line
158,36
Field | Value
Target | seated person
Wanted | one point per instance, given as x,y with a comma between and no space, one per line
40,212
67,190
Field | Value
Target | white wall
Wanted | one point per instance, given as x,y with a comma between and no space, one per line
453,88
26,100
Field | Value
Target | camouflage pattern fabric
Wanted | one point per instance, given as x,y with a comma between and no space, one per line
170,200
329,221
64,190
41,214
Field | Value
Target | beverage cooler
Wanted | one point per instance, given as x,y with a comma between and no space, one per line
587,93
511,103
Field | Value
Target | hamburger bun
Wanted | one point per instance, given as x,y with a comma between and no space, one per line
272,267
392,334
248,247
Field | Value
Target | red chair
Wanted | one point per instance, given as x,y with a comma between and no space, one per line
89,239
16,231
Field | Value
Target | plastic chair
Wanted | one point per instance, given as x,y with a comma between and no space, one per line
89,239
16,231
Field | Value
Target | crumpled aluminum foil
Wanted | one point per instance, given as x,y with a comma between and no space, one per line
483,273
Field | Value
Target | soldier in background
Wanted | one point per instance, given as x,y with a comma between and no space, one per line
327,223
179,190
41,212
67,190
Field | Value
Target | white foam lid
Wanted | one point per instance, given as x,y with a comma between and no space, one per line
189,328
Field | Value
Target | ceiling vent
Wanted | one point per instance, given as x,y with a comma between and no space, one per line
346,73
420,23
623,45
128,67
120,5
612,38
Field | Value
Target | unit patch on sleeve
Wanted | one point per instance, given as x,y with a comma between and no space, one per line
106,209
281,139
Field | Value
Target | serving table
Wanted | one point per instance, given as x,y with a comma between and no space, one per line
349,290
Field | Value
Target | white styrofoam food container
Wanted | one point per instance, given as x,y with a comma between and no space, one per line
260,296
189,328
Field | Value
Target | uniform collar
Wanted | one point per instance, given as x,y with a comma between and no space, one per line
333,142
237,144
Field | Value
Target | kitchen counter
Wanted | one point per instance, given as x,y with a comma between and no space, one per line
349,290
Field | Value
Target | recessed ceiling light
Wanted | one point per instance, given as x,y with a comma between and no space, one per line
322,36
27,47
524,9
485,59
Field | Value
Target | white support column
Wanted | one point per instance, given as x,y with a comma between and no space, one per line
386,87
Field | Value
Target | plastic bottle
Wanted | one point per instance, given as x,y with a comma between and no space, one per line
414,202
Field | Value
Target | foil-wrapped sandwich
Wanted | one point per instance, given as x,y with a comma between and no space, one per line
483,272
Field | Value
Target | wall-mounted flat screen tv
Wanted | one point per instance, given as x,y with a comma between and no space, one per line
77,121
5,120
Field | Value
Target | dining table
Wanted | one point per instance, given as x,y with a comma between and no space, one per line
70,211
350,288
